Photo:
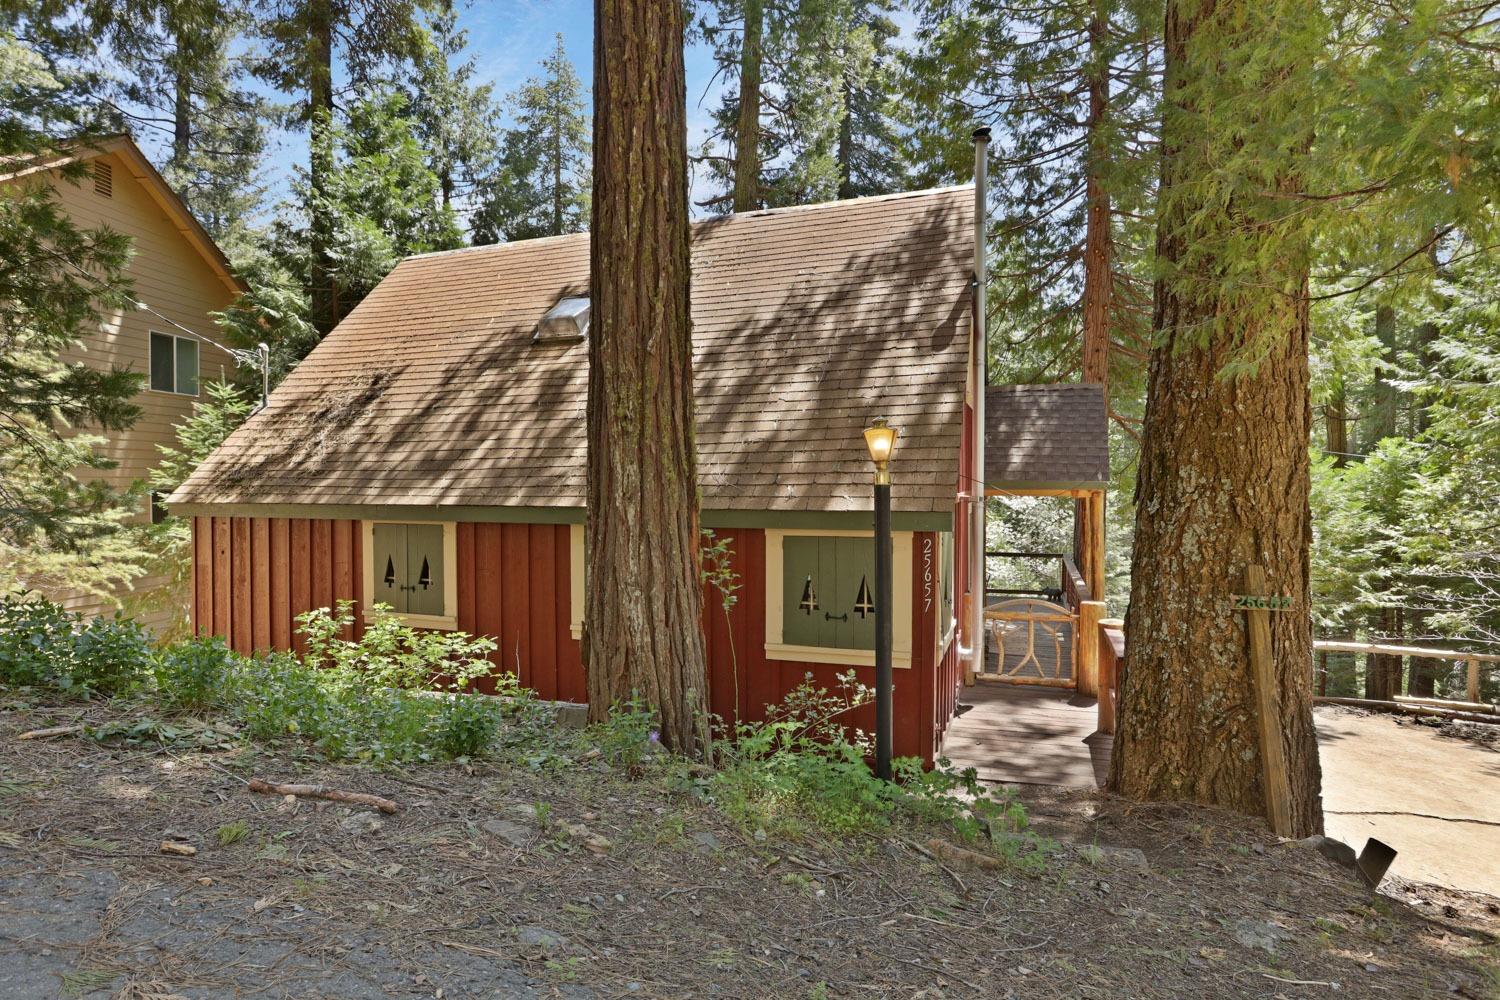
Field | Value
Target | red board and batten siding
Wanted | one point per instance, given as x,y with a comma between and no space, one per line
253,576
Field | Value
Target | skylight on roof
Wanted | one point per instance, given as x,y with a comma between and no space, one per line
565,322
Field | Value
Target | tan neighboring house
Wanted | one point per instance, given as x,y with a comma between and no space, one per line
179,274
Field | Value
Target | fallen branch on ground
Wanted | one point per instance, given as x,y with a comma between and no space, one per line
324,792
42,734
964,856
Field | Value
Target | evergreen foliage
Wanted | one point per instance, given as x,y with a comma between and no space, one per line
820,82
542,184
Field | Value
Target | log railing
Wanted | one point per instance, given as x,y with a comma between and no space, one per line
1475,661
1111,640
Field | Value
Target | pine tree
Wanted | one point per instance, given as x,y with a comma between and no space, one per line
57,280
808,115
542,185
455,117
1296,170
301,39
175,69
378,201
1071,91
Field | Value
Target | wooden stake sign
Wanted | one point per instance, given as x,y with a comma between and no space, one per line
1267,707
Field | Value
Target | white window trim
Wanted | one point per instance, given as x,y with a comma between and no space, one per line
448,620
575,580
901,595
197,379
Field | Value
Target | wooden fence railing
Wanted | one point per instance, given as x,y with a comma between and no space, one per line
1111,638
1473,660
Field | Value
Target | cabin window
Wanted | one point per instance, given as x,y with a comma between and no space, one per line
412,568
820,597
174,364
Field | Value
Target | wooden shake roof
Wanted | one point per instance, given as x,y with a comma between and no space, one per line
807,323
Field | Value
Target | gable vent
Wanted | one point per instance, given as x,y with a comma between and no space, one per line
104,179
566,322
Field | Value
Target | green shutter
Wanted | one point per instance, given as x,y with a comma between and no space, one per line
801,583
424,569
856,566
388,556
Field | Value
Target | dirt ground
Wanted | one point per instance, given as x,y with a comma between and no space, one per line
565,879
1426,791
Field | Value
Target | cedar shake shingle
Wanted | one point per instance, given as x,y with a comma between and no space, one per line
807,323
1046,437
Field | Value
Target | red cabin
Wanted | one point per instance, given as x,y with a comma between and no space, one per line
430,455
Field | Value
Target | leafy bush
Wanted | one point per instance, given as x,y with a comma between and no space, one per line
192,676
43,644
373,698
801,771
466,725
628,735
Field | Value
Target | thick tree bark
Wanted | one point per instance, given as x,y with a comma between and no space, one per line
747,127
1223,484
324,296
643,611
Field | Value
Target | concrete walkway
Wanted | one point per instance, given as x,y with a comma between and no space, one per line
1433,798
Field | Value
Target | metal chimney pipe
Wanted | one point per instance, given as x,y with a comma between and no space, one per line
981,378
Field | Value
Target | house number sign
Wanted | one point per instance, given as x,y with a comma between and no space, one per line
927,574
1261,602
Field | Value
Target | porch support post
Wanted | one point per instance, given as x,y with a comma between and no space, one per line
1090,614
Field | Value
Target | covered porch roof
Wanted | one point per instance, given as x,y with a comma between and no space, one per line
1045,439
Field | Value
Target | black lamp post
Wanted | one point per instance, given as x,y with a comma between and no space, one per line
880,439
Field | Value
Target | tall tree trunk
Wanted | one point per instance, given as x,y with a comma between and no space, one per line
1336,425
557,169
643,613
747,127
324,296
845,152
1223,482
182,116
1097,277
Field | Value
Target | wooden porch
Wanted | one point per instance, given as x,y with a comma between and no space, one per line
1029,735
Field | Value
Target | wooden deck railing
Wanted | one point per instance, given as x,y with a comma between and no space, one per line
1111,638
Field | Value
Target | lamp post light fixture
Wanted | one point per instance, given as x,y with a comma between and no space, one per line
880,439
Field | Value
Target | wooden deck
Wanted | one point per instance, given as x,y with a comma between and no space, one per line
1029,735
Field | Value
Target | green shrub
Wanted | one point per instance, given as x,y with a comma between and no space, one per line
43,644
800,771
466,725
278,695
31,648
192,676
629,734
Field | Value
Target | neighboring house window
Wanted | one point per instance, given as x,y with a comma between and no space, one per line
174,364
158,507
413,569
820,597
